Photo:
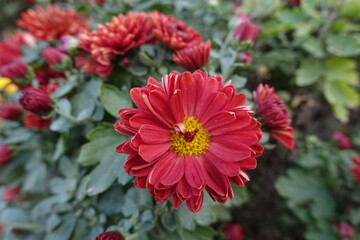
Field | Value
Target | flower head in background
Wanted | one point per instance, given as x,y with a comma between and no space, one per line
46,74
233,231
51,22
343,141
246,30
346,230
116,37
7,86
194,57
14,69
190,133
110,236
53,56
173,33
10,111
294,2
356,169
6,154
274,114
11,194
36,100
32,120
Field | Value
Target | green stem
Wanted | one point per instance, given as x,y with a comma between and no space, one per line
65,115
24,148
222,49
25,226
230,69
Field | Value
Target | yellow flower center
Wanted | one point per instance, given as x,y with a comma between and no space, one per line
189,138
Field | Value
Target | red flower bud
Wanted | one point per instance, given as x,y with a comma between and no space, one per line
245,57
35,100
343,141
110,236
246,30
53,55
294,2
233,231
32,120
14,69
11,194
10,111
5,154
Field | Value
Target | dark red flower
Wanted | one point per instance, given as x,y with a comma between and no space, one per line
10,111
45,74
14,69
5,155
294,2
233,231
32,120
356,169
95,1
275,116
189,134
194,57
116,37
51,22
173,33
35,100
53,55
346,230
343,141
246,30
110,236
11,194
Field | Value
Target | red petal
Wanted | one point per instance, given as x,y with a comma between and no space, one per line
154,135
150,152
194,172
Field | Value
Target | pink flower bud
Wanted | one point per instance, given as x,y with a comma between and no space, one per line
294,2
11,194
53,55
5,155
233,231
14,69
10,111
110,236
35,100
246,30
343,141
245,57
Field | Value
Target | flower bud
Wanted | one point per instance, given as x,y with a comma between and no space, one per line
32,120
110,236
343,141
10,111
53,55
11,194
36,100
245,57
5,154
294,2
14,69
246,30
233,231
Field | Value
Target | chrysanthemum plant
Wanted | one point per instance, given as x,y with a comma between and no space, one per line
137,118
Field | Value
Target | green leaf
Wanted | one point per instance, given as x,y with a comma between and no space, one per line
309,72
343,45
338,92
314,47
351,8
112,201
63,105
103,141
341,69
113,99
185,217
64,231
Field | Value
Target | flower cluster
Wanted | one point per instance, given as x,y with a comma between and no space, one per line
126,32
274,114
51,22
190,133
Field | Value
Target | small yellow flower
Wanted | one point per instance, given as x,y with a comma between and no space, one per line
7,86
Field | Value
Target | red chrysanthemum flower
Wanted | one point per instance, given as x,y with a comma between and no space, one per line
356,169
11,194
5,155
10,111
32,120
233,231
36,100
110,236
173,33
343,141
275,116
51,22
116,37
190,133
194,57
